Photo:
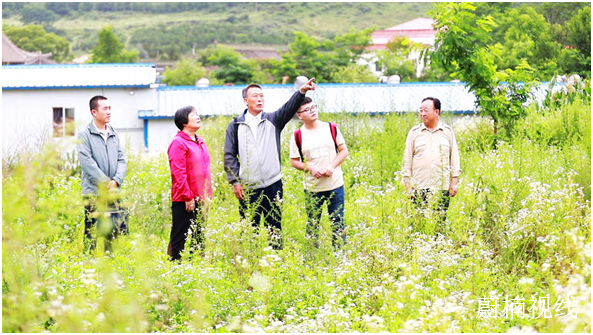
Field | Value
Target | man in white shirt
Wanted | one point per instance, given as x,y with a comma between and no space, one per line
252,158
318,148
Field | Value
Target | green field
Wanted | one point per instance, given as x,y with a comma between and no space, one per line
314,18
518,229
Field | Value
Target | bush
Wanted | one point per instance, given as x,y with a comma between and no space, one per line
519,226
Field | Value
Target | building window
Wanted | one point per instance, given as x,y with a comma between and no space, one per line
63,121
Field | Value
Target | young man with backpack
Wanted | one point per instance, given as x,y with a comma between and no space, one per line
318,148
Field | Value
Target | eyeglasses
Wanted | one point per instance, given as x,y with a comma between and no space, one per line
309,110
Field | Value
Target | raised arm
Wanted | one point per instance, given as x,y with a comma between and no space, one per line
283,115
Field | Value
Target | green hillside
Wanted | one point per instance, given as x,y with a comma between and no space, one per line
173,28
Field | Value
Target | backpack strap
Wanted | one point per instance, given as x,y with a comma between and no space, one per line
334,130
298,140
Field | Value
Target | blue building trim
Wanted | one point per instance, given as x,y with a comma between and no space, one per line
146,134
28,67
456,112
156,117
170,117
70,87
235,87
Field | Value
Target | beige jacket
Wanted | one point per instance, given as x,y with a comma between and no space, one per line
431,158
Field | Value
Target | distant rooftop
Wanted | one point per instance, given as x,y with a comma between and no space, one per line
416,24
419,30
77,76
11,54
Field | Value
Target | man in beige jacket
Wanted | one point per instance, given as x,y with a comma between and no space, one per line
431,159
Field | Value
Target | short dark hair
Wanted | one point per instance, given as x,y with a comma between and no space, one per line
306,100
248,87
94,101
181,116
435,102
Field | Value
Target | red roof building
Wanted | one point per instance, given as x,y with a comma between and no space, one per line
419,30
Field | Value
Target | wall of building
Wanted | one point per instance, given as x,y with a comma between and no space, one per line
160,132
27,115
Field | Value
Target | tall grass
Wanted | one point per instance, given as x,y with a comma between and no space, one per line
520,226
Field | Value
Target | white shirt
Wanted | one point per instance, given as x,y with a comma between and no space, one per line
104,134
319,150
252,122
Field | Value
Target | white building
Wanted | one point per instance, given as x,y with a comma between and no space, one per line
49,103
419,30
42,103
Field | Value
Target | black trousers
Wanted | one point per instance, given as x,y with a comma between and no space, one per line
265,203
421,199
186,223
99,224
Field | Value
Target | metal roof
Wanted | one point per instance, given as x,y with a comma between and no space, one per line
331,98
416,24
15,77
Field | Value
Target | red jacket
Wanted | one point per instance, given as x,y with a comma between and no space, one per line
190,168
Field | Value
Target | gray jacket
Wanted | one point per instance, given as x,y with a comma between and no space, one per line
256,164
100,161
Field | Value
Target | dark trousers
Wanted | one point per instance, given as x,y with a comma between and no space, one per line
422,197
186,223
100,224
265,203
335,209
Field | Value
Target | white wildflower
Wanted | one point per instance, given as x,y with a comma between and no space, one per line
161,307
528,281
100,317
260,282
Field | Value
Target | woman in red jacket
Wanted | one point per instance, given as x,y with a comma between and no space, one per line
191,183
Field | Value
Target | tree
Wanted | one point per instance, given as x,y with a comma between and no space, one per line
36,14
110,50
579,31
579,35
527,36
60,8
321,59
560,12
462,46
350,46
396,59
353,73
87,6
232,68
185,73
308,59
34,38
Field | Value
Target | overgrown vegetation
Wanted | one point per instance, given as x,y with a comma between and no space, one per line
535,40
502,87
519,227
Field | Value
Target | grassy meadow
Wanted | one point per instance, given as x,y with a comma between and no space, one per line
517,232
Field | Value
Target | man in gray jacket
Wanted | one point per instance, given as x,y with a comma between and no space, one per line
103,165
252,157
